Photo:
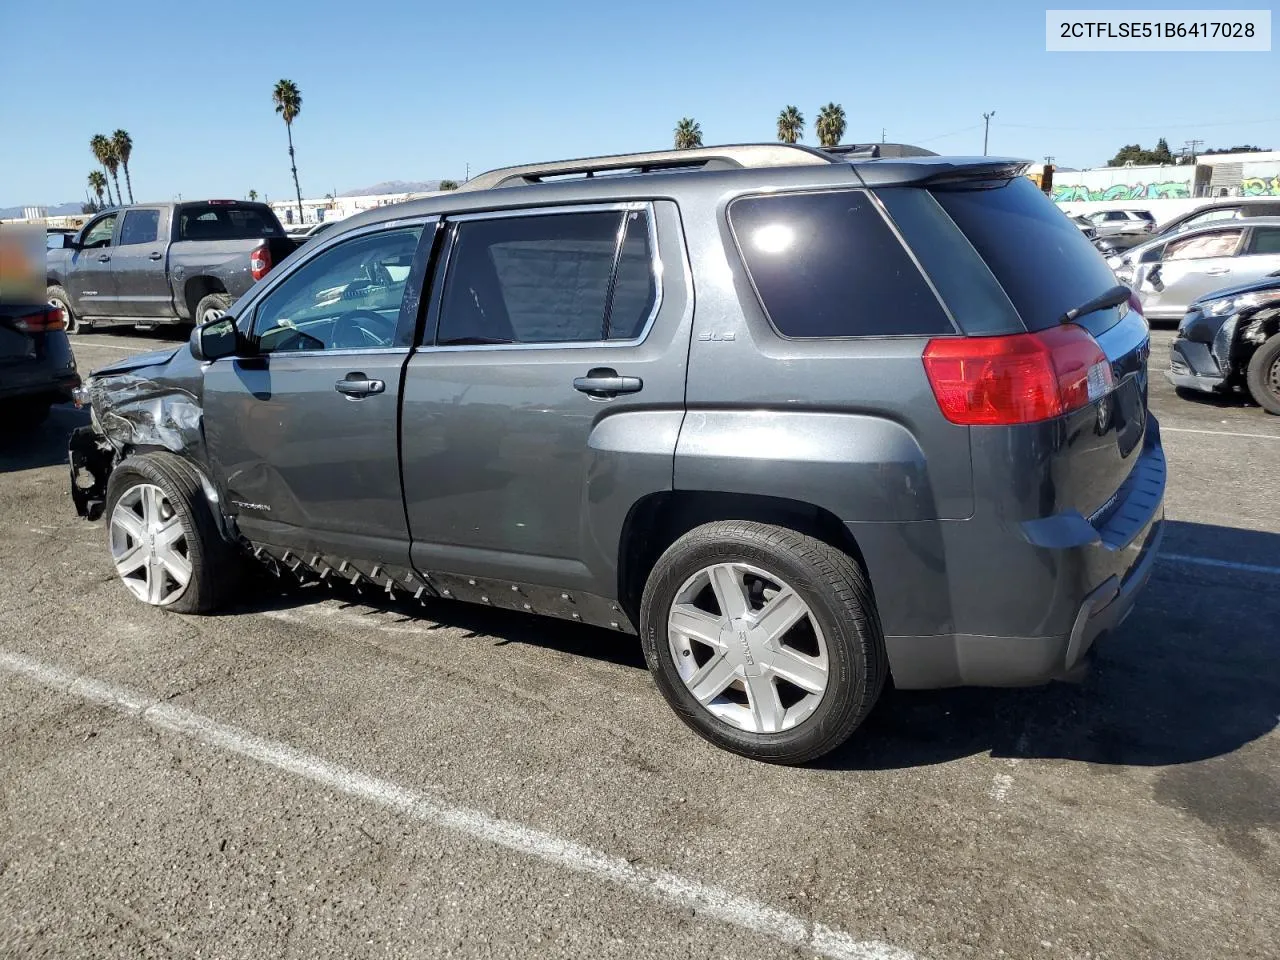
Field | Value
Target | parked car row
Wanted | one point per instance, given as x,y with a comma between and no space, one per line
1216,271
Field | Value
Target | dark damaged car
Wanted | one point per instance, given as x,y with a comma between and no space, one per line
901,429
1230,340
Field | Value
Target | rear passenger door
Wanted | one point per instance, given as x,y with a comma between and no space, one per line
139,264
1259,256
548,394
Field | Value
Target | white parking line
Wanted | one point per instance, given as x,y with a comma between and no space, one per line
1224,564
1220,433
707,900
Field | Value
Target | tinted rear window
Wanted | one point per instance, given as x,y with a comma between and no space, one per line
1043,261
827,265
227,222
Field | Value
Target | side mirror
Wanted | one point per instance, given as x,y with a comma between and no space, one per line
216,339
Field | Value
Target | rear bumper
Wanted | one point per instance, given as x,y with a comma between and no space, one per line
1075,577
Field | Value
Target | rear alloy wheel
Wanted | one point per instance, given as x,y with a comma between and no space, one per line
764,640
748,648
149,545
164,540
1263,376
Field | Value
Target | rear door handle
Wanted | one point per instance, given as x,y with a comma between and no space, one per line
104,257
1217,271
602,383
357,386
156,256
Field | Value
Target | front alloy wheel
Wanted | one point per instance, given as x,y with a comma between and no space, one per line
149,545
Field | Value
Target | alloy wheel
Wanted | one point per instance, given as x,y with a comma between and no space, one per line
149,545
748,647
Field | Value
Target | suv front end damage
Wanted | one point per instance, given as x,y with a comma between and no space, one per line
148,402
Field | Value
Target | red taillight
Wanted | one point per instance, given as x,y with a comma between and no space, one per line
46,321
260,262
1021,378
1135,303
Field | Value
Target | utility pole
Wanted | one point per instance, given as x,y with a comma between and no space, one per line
986,119
468,176
1193,146
882,134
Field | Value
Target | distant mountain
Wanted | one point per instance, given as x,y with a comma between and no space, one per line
59,210
394,186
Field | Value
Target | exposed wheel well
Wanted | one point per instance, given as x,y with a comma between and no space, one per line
657,521
196,289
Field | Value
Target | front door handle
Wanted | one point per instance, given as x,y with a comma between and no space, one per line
155,256
1217,271
104,257
603,383
357,386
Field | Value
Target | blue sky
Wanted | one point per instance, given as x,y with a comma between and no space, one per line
415,91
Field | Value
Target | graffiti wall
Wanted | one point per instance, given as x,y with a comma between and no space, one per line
1124,183
1260,179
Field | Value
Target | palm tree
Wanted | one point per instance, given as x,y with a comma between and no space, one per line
97,183
101,148
123,144
688,134
790,125
288,100
830,125
253,196
112,162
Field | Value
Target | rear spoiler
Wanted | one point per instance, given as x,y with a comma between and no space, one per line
927,171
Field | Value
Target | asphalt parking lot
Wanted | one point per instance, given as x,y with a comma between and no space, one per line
325,776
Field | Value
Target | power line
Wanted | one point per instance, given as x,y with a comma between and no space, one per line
1152,126
942,136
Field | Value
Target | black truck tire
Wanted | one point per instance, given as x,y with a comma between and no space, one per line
211,307
848,642
57,296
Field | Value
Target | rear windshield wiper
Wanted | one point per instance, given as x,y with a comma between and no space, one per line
1103,301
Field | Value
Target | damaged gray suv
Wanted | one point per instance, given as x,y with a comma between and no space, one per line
804,421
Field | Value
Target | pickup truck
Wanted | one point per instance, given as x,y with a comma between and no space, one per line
157,263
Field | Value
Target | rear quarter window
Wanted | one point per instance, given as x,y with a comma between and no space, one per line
827,265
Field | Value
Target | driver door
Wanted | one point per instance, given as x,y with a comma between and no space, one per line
303,436
91,281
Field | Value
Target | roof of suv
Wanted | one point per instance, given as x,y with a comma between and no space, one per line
668,173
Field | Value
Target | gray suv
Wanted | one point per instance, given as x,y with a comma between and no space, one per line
803,423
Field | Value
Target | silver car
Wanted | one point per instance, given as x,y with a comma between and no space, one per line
1168,273
1113,223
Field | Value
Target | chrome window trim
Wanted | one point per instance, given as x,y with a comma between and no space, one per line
655,269
343,352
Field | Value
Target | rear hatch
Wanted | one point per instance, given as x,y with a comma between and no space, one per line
1047,267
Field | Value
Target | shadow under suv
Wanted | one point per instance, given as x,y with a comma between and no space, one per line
801,422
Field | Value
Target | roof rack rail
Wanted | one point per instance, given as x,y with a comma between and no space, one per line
729,157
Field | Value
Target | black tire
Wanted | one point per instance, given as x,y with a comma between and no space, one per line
839,597
1263,377
57,296
216,565
219,302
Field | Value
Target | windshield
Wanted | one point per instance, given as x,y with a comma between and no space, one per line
1041,259
227,222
